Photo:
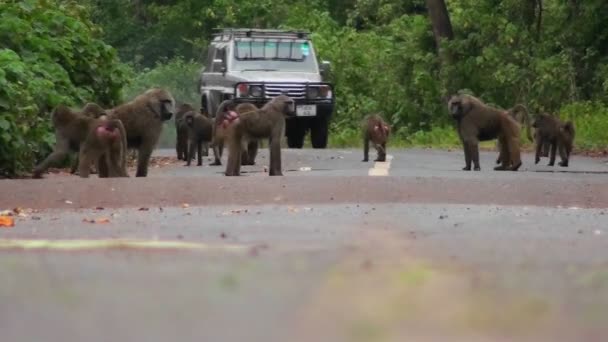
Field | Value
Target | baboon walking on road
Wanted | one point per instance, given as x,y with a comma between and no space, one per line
376,131
559,135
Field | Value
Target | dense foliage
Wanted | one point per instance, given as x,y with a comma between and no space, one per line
48,55
551,55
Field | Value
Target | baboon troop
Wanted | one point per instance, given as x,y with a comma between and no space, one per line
477,122
376,131
102,137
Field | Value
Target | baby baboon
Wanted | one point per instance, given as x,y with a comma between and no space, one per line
181,129
376,130
480,122
266,122
251,150
559,135
95,111
143,119
200,130
107,140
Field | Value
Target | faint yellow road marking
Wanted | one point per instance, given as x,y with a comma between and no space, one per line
71,245
381,168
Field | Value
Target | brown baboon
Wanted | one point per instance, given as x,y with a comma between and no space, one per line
480,122
520,114
143,119
205,144
559,135
107,140
200,130
222,117
266,122
376,130
181,129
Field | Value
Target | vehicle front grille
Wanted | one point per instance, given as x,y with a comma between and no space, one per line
293,90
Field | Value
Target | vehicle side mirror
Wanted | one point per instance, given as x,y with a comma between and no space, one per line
218,65
325,67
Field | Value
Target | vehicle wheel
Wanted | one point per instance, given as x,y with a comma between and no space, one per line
318,132
295,131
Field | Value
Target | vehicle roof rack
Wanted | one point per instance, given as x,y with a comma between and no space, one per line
226,34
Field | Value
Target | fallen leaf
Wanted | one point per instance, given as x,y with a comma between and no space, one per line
185,205
100,208
223,235
7,221
6,213
17,210
143,209
101,220
293,209
68,202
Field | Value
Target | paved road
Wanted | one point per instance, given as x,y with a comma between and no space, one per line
337,250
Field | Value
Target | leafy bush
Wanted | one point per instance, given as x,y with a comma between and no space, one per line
590,122
49,55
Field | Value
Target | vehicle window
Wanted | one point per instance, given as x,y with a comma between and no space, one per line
219,54
269,55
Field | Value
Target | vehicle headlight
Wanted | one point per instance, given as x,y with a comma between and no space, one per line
312,92
256,91
325,92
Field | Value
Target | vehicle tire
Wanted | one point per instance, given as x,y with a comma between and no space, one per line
295,131
319,132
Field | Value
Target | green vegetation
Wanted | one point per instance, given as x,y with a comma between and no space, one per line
551,55
48,55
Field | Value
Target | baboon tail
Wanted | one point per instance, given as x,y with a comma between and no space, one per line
525,119
222,107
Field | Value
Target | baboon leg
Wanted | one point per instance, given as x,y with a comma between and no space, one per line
143,159
474,155
103,170
381,152
218,148
233,166
205,150
564,155
539,152
467,156
191,151
365,148
84,163
57,156
275,156
514,154
252,152
553,152
199,152
499,148
546,147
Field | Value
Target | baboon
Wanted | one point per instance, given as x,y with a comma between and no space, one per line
143,119
479,122
206,143
200,130
266,122
92,110
225,114
520,114
181,129
72,129
559,135
107,140
376,130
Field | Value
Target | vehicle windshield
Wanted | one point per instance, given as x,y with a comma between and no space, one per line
273,55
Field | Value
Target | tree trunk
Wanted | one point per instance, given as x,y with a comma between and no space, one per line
440,19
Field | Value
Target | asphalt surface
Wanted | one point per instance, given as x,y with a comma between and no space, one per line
336,250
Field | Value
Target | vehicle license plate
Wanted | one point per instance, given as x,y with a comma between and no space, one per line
306,110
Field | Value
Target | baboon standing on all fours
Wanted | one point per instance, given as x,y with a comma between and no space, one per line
143,119
200,131
559,135
266,122
181,130
376,131
479,122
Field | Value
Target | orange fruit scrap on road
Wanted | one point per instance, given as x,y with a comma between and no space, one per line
7,221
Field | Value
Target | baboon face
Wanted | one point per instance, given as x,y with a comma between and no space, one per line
189,118
541,120
285,104
458,106
161,103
